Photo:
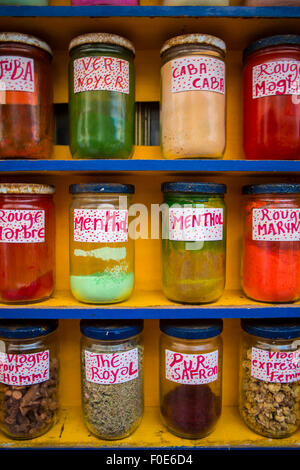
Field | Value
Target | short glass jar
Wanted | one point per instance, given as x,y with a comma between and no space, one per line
193,101
101,250
26,97
112,357
101,96
193,241
271,247
191,355
269,398
27,242
28,377
271,99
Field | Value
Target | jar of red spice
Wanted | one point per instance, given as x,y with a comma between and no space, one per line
271,104
26,97
271,257
191,376
27,242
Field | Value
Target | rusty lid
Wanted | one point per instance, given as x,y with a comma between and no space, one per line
101,38
205,39
23,38
26,188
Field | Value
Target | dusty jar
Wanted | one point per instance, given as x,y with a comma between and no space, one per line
28,377
26,97
101,96
112,356
27,242
101,250
269,376
191,376
271,247
193,97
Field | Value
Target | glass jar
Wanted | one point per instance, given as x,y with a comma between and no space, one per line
271,251
112,357
102,96
101,250
193,241
121,3
26,97
191,376
271,105
27,242
28,377
269,396
193,97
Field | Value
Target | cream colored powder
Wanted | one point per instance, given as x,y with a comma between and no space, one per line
192,122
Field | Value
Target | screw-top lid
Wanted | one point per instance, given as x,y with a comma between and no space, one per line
111,330
192,329
272,329
193,187
23,38
26,188
273,188
102,38
196,39
23,329
115,188
272,41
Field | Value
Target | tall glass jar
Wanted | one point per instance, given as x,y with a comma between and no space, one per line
112,367
27,242
193,241
193,102
101,96
101,250
28,377
271,99
26,97
191,358
271,247
269,376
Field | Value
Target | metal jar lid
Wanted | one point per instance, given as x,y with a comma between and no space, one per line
101,188
111,330
194,39
26,188
25,329
22,38
102,38
272,188
275,328
192,329
272,41
193,187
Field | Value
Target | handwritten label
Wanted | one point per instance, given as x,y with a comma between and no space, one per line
195,224
191,369
276,225
22,226
280,77
16,74
24,369
101,73
198,73
275,367
113,368
100,225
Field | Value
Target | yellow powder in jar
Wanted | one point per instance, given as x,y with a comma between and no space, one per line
192,122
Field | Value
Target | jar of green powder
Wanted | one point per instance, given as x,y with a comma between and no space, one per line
193,241
101,96
101,250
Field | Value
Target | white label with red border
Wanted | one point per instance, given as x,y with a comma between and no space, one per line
281,225
24,369
198,73
279,77
22,226
191,369
101,73
16,74
195,224
100,225
275,366
114,368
